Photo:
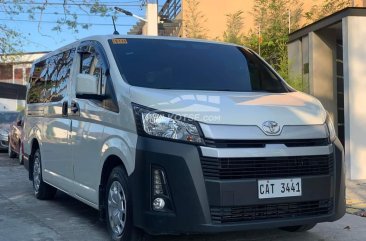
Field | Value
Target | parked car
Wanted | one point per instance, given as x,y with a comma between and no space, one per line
6,117
180,136
15,148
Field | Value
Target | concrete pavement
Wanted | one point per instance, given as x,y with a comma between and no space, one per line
24,218
356,197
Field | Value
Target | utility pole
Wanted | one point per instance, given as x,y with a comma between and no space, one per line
152,17
289,21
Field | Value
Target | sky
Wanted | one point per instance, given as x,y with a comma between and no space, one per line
42,38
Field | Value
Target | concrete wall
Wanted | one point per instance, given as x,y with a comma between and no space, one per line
322,74
354,52
295,58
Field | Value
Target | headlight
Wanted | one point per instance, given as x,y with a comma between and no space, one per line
331,129
4,132
164,125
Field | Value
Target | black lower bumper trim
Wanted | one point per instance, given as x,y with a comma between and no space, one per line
271,211
209,206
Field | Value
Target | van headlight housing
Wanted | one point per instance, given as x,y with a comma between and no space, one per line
4,133
331,129
165,125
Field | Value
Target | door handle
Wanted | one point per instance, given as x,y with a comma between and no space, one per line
74,107
64,108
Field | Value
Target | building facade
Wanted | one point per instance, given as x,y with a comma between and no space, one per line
14,73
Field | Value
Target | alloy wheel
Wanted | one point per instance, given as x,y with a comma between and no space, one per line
117,208
36,174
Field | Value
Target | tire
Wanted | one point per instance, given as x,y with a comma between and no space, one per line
20,155
42,190
300,228
11,153
118,201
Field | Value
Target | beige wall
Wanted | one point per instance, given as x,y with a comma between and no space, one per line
215,12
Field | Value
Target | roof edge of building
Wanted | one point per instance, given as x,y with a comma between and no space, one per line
327,21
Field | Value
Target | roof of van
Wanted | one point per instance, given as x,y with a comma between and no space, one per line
102,38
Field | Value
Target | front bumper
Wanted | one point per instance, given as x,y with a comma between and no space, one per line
192,195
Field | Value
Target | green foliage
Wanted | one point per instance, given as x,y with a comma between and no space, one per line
270,36
193,20
326,8
10,41
234,24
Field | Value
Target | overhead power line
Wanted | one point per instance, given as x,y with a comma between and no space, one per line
73,4
54,22
63,14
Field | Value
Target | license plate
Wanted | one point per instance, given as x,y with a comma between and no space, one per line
274,188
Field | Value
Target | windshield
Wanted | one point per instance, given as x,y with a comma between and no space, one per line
8,117
189,65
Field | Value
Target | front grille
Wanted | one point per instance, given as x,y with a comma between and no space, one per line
266,167
263,143
221,215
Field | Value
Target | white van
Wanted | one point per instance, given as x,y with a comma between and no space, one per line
179,136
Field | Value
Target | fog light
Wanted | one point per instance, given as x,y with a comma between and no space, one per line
158,203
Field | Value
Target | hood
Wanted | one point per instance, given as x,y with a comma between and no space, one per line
234,108
5,126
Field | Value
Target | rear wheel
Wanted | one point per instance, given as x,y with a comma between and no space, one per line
42,190
119,208
300,228
11,153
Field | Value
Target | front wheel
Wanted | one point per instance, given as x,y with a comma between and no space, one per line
20,155
300,228
42,190
119,208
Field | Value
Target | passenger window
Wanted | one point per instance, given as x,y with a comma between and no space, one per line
59,67
37,80
92,63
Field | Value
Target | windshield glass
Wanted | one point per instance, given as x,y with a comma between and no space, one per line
8,117
189,65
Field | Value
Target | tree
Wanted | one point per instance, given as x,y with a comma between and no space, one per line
68,18
326,8
234,25
193,20
272,26
9,41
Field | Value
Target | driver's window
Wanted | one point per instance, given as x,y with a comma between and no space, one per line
92,63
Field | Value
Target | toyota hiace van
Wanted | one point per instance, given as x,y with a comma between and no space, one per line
180,136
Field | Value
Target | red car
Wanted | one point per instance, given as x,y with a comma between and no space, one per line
15,148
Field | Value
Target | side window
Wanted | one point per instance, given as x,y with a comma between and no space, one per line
92,63
37,83
59,67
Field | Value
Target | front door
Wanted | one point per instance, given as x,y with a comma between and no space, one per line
88,123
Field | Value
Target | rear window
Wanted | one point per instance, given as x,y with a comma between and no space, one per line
189,65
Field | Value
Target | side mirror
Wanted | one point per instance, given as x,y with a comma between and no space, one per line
19,123
87,87
86,84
